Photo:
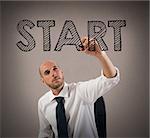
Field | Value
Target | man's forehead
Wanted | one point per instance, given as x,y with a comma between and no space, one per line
47,64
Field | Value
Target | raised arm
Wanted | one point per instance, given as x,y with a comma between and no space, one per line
108,68
91,90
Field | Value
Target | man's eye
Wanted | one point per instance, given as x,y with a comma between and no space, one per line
46,72
55,68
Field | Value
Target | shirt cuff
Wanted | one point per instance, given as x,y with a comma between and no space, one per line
116,75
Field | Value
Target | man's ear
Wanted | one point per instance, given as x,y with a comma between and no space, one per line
62,72
42,80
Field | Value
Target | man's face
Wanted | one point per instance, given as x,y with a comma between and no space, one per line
52,75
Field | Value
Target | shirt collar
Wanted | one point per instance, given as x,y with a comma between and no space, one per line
63,93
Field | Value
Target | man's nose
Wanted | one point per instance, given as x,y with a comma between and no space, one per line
54,74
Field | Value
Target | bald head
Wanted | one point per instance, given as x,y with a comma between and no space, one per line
51,74
45,64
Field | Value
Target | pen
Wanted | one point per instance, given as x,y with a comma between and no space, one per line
92,43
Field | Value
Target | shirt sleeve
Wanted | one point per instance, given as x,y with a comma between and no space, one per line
45,130
91,90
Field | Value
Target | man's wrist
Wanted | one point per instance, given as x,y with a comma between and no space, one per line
101,55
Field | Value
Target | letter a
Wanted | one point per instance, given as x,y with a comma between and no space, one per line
68,27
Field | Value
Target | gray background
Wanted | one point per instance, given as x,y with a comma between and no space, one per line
126,104
0,75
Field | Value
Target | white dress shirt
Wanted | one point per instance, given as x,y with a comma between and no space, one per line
79,106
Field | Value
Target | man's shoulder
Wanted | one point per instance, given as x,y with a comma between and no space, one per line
71,85
44,98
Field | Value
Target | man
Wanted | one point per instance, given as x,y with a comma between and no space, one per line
77,99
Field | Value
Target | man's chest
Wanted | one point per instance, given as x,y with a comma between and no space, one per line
77,112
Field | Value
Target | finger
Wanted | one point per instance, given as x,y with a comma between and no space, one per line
91,45
86,51
92,42
91,39
85,44
98,47
81,48
89,52
83,39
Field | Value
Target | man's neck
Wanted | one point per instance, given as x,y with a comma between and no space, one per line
58,90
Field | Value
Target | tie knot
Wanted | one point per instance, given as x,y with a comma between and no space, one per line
59,99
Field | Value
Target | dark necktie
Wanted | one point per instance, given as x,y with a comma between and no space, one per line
61,118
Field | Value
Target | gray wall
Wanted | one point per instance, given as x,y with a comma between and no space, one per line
0,75
126,104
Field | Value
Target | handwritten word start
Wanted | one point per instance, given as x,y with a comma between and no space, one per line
96,30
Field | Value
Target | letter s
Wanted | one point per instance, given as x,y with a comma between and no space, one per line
26,35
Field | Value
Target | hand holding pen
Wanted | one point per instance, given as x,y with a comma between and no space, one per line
91,47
